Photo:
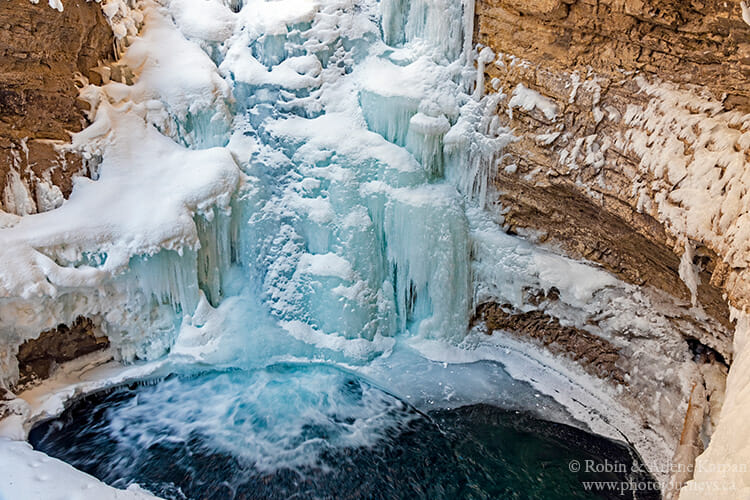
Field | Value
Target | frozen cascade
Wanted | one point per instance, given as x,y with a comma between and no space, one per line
295,190
430,22
338,192
291,187
304,181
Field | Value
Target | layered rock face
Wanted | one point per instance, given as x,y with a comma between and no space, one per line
41,52
631,120
39,357
574,176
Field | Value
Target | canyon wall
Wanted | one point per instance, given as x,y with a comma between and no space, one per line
632,128
574,176
42,51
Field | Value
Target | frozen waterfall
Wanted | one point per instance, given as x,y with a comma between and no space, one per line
290,155
304,184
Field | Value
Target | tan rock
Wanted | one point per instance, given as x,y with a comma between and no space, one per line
584,62
41,50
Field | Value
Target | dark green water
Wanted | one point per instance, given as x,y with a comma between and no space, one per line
321,433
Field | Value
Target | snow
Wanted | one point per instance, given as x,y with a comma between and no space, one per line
294,73
689,273
274,18
745,12
123,17
325,131
429,125
486,55
203,19
48,196
16,196
182,95
528,100
706,184
383,77
31,474
328,264
723,468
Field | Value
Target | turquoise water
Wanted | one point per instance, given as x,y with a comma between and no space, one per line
292,431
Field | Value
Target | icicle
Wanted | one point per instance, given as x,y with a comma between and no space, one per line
392,21
468,20
472,147
425,141
16,196
689,272
214,255
168,278
388,116
404,21
431,294
485,56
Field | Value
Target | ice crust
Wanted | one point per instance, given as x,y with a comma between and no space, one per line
32,474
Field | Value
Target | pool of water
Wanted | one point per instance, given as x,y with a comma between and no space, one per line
314,431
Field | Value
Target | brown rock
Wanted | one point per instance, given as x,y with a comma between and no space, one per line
591,209
593,353
41,50
38,357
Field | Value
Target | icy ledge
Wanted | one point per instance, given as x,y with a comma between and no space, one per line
32,474
139,213
724,468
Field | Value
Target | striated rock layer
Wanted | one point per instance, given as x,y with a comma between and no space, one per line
41,52
633,134
575,176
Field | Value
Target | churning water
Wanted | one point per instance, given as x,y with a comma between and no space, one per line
312,431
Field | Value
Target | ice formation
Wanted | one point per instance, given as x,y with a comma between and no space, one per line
527,99
287,154
694,155
303,180
745,12
22,474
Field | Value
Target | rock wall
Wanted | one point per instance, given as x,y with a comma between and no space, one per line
41,52
571,176
633,134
